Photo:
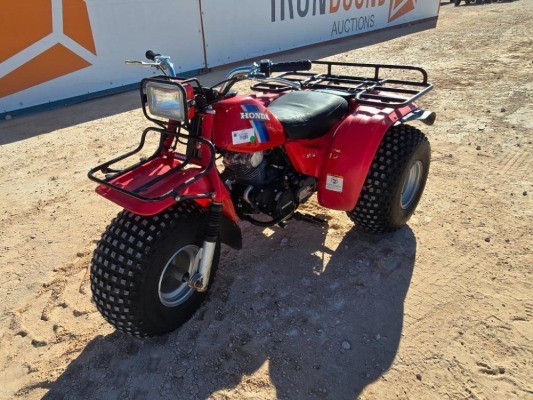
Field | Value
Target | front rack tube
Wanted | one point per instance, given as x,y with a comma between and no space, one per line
108,181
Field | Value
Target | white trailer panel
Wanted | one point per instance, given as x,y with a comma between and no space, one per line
89,40
53,51
252,29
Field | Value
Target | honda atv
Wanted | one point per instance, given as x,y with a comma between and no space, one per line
339,130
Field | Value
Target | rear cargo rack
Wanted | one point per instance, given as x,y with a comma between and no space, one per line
374,89
155,174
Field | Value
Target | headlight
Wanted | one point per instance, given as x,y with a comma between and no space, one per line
166,101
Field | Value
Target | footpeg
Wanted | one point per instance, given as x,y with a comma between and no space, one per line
313,219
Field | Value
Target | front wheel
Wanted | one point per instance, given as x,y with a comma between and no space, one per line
395,181
141,266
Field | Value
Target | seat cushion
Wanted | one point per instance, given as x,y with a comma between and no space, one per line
308,115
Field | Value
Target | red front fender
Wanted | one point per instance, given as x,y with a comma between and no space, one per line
353,147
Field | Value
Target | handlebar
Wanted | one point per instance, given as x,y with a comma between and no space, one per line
261,70
267,67
257,70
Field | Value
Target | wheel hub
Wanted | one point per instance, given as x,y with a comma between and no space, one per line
173,284
411,185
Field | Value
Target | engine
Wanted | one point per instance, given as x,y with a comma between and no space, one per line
265,183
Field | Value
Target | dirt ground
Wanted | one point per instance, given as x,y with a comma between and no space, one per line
442,309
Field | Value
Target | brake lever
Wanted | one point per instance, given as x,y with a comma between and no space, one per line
143,64
158,65
293,84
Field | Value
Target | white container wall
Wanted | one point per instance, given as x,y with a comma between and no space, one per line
79,46
54,50
252,29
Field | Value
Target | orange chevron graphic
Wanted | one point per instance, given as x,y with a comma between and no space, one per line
45,28
14,28
76,23
398,8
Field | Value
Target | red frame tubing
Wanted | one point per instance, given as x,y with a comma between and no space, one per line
350,156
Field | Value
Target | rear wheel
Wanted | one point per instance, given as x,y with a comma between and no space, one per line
395,181
141,266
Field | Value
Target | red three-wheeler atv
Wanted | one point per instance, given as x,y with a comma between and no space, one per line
339,130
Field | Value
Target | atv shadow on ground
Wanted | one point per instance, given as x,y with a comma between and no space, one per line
317,322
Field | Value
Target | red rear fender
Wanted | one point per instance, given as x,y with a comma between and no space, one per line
352,150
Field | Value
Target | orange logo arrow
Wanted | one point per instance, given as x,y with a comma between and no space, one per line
398,8
59,33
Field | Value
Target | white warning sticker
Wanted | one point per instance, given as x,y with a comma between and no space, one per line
334,183
243,136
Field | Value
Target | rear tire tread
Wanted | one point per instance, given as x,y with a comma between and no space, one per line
375,209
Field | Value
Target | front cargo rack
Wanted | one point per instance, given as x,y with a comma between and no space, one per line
374,90
162,177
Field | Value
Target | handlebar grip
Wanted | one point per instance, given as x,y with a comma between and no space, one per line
301,65
151,55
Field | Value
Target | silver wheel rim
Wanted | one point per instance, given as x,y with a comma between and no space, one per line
173,284
411,185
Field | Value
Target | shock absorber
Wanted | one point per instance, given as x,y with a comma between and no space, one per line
200,280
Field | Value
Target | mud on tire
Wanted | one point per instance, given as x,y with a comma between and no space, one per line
128,264
395,181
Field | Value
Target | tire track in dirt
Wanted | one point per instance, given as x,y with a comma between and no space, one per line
57,315
436,287
519,162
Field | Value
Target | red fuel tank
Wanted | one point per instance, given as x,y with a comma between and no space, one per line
243,124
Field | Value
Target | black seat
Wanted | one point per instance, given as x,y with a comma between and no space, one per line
308,115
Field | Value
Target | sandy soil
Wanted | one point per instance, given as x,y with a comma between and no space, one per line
441,309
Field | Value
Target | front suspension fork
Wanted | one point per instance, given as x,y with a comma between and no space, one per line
199,280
